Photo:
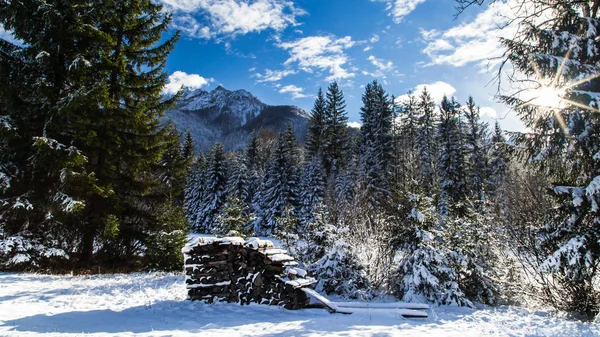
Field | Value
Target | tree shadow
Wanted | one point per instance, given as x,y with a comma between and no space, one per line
192,317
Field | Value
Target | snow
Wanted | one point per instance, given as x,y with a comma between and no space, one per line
154,304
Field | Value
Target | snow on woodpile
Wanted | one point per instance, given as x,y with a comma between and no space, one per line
243,271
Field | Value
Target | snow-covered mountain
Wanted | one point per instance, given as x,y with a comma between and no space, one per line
230,117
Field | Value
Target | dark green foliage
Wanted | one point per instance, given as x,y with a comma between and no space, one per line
376,144
315,137
336,142
85,99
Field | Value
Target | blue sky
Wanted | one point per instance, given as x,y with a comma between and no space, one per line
283,51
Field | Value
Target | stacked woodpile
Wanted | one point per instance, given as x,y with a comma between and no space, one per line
234,270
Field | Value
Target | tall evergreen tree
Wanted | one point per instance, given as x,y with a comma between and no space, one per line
316,127
213,196
426,142
377,146
279,189
561,55
194,190
102,69
451,160
476,155
335,147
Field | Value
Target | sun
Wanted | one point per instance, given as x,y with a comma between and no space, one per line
548,97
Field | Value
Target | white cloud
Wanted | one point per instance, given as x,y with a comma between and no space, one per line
476,41
382,66
320,53
367,48
296,92
180,78
355,125
374,39
232,17
437,90
273,75
400,8
487,111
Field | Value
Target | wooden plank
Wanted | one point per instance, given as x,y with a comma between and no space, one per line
395,305
330,305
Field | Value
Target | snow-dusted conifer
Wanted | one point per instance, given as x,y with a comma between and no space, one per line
561,54
376,144
426,272
451,160
426,142
475,138
316,127
335,147
213,196
312,189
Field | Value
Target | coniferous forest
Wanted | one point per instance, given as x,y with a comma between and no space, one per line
424,202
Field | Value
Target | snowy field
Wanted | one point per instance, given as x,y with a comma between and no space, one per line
154,305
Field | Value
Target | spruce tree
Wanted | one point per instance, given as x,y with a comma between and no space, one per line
451,160
279,188
476,155
213,196
316,128
376,144
194,190
335,147
312,190
426,142
561,55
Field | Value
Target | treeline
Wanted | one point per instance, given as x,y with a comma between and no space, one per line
89,172
401,206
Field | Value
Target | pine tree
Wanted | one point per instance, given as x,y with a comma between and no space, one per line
234,219
561,55
426,142
338,270
335,147
238,185
451,160
98,71
407,154
189,148
426,272
376,146
279,188
316,127
476,155
312,190
498,161
194,190
46,171
213,196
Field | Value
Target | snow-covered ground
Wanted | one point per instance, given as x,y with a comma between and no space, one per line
154,305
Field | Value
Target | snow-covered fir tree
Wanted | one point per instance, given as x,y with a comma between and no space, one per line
312,189
335,146
213,196
279,188
338,269
425,271
426,142
315,136
194,189
451,160
234,219
475,141
561,56
376,144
